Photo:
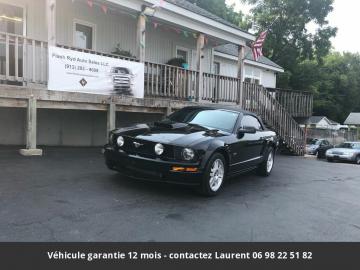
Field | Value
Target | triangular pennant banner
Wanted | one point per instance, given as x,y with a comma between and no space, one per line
104,9
90,3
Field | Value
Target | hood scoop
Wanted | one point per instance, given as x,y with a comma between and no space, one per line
170,125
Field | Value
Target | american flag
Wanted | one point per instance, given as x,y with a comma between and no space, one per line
258,45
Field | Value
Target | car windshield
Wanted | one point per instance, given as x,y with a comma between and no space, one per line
314,142
349,145
209,118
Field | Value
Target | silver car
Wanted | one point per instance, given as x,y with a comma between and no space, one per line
348,151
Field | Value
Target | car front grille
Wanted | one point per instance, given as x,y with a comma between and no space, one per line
145,149
121,80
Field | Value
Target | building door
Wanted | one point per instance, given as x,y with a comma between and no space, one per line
12,21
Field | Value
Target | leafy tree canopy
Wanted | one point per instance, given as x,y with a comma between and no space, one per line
221,9
289,41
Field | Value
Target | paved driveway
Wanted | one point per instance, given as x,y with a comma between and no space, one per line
68,195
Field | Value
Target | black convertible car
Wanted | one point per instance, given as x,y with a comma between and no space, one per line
194,146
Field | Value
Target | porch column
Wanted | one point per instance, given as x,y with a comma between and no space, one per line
31,130
141,37
241,73
51,21
111,117
199,67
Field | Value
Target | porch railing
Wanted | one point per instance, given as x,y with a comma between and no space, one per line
259,100
297,103
22,60
170,82
218,88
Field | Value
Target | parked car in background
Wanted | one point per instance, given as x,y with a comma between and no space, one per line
314,145
199,146
321,151
348,151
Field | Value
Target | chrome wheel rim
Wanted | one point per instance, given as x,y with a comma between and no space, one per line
216,175
270,162
358,160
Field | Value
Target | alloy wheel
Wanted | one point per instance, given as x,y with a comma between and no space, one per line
217,173
270,162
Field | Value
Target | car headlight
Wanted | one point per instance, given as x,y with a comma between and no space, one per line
159,149
188,154
120,141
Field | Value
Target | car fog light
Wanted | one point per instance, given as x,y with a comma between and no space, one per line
120,141
159,149
188,154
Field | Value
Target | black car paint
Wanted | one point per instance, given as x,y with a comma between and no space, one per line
243,152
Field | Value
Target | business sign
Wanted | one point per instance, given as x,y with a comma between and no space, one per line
75,71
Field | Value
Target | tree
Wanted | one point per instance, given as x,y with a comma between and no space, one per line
221,9
289,42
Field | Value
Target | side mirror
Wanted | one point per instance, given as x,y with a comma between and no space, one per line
246,130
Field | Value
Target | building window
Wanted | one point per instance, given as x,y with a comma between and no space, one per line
84,35
182,53
11,19
217,68
252,75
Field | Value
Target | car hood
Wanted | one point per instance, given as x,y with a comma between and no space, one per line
174,134
344,150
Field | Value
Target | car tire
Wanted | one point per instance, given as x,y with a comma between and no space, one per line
357,161
214,176
330,160
265,168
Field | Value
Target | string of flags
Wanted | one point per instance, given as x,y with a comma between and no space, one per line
105,9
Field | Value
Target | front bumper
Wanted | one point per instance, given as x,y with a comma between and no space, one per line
341,157
149,169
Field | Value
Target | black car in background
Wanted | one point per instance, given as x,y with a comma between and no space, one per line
195,146
318,147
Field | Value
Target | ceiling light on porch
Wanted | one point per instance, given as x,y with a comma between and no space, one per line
14,19
148,11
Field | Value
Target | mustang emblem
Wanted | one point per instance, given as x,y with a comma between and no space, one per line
137,145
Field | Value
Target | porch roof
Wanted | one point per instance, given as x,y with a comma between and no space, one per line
232,50
190,16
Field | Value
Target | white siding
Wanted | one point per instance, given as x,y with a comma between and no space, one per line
268,79
111,28
228,67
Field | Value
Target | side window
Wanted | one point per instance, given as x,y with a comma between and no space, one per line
251,121
84,34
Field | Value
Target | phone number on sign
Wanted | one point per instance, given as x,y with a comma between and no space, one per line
80,68
282,255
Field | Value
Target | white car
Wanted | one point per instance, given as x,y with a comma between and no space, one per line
348,151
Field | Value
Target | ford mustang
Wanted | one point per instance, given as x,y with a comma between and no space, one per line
200,146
